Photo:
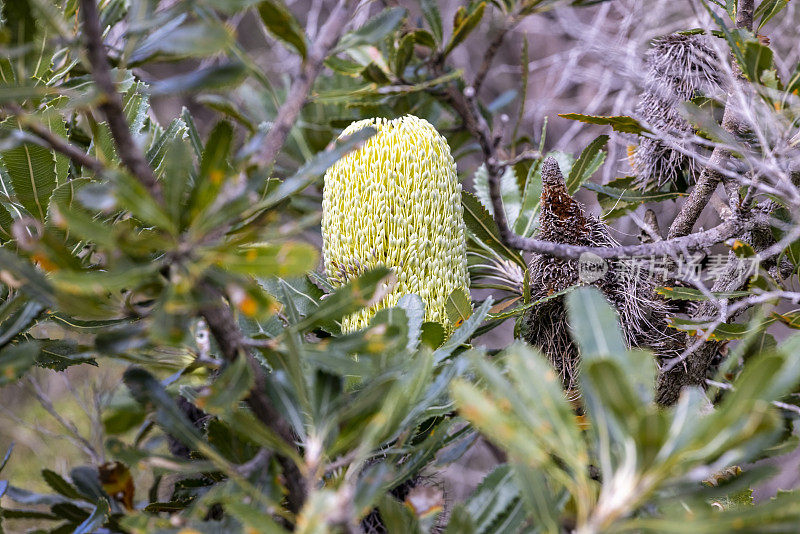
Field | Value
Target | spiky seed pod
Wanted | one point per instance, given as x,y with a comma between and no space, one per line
642,314
396,201
678,68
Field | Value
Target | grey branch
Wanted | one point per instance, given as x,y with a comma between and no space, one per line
491,51
328,36
215,311
55,142
707,182
477,126
232,342
111,104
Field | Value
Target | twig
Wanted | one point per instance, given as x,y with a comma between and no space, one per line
474,122
56,142
69,426
777,404
523,156
650,230
214,310
707,183
491,51
298,93
111,104
232,342
258,462
464,104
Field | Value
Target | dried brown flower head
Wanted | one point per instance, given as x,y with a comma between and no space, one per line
642,313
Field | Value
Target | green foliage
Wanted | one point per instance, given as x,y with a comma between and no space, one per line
622,124
652,461
216,427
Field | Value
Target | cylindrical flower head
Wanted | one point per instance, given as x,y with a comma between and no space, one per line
396,202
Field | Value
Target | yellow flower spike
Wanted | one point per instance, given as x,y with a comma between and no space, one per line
396,202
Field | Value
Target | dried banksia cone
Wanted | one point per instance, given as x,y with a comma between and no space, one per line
564,220
679,67
396,202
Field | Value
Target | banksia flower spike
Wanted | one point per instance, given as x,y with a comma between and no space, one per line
396,202
642,314
679,67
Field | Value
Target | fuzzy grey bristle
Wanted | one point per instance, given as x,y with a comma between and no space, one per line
678,68
551,173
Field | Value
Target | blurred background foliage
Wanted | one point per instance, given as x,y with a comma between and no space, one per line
125,303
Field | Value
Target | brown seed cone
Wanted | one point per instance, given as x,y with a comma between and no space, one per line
631,292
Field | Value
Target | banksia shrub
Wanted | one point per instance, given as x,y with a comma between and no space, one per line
396,202
642,314
679,67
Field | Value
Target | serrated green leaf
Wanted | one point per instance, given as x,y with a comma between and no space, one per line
619,123
721,332
157,150
365,290
521,309
463,333
214,169
311,171
632,195
6,220
135,197
16,359
22,317
404,53
531,195
688,293
58,355
344,66
587,164
59,485
736,38
537,498
493,497
458,306
414,307
32,171
176,175
373,73
424,38
136,104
